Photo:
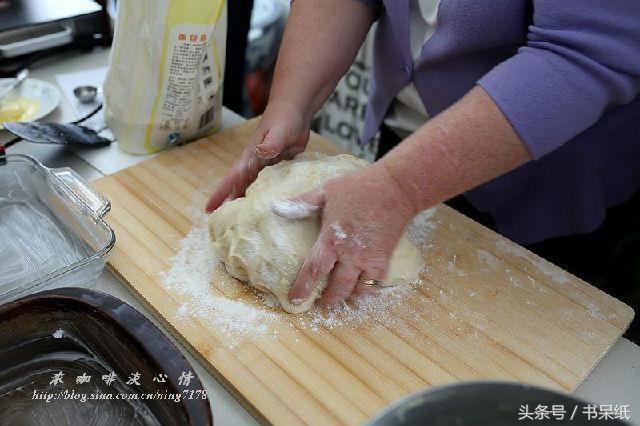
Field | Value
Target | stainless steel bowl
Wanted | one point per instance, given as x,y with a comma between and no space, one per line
86,94
485,404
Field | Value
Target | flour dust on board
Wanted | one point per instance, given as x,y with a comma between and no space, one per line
210,296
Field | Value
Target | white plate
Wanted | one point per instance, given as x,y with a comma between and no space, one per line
45,93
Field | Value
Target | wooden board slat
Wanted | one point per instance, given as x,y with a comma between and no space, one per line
489,308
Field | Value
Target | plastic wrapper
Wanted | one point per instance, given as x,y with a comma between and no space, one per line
164,82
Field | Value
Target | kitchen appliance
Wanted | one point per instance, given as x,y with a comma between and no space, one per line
30,29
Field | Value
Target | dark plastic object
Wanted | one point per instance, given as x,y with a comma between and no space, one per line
56,134
483,404
76,331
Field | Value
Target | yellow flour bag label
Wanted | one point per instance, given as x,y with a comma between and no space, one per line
164,83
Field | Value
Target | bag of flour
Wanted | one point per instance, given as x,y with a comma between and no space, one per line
164,83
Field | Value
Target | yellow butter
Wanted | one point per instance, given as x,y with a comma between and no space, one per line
18,109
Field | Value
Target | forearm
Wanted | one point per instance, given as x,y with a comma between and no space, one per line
319,44
468,144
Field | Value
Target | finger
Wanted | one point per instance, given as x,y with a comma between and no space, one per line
317,265
271,144
236,181
292,150
341,284
363,290
220,194
313,198
246,172
233,185
378,274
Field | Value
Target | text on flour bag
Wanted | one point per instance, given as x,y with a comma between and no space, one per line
164,83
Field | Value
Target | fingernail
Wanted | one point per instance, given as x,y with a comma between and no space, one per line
265,153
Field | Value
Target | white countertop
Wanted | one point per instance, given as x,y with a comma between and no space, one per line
615,380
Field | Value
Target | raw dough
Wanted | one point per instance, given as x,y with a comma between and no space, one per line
267,251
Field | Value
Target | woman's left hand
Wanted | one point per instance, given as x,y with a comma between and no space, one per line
363,215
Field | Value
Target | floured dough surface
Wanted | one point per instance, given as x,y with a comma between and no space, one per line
267,251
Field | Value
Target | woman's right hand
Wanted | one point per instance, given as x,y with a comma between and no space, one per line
283,133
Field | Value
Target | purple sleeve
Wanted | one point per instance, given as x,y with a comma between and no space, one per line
581,58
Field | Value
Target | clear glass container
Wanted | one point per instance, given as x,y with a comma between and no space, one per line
52,232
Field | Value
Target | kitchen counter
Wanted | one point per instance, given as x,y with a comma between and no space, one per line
616,380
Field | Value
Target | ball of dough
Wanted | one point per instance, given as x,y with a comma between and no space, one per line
267,251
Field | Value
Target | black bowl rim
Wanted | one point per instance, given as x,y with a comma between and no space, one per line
149,339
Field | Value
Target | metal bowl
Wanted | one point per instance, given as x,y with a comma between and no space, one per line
485,404
49,340
86,94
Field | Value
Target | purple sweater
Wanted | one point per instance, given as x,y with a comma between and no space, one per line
566,74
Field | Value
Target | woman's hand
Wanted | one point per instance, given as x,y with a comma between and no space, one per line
363,215
282,133
307,70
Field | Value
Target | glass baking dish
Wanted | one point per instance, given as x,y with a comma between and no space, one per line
52,232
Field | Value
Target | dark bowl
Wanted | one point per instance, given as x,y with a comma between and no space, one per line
485,404
72,333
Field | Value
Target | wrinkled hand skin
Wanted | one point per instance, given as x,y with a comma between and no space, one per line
283,133
363,215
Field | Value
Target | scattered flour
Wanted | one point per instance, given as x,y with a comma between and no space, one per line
594,310
452,266
566,313
489,259
195,268
590,337
293,209
338,231
190,278
550,270
513,279
421,226
555,273
371,308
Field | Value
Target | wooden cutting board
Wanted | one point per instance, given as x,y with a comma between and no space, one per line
488,308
